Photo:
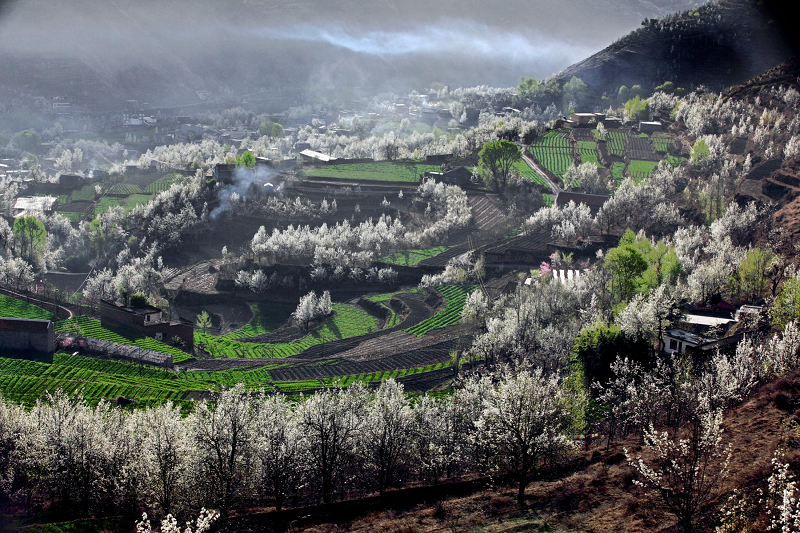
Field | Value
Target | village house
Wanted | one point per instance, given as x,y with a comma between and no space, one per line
27,335
148,321
29,205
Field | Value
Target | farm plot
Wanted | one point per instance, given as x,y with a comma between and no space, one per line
618,171
84,194
25,381
82,208
163,184
267,317
13,308
641,149
386,296
641,170
410,171
124,189
662,144
348,321
127,203
527,172
616,141
554,152
413,257
90,327
675,161
487,212
451,314
588,152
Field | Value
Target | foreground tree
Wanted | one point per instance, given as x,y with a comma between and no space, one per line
497,158
332,422
686,471
280,448
524,425
388,432
225,440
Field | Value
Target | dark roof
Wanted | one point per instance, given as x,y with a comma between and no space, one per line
592,200
23,324
140,310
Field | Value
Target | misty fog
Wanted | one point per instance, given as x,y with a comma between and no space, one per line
166,51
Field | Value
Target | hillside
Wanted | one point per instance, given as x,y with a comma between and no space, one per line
717,45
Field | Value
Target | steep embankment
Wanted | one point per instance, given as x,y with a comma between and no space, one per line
716,45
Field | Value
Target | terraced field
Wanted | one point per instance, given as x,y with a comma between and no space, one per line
14,308
348,321
618,171
616,141
414,257
554,152
641,170
410,171
124,189
90,327
527,172
662,144
588,152
163,184
451,314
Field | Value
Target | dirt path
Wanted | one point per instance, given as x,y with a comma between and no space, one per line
530,162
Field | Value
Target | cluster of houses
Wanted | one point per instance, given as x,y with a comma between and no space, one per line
591,120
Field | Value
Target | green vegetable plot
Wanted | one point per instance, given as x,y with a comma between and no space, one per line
348,321
451,314
554,152
413,257
13,308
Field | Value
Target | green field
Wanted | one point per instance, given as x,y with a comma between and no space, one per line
410,171
386,296
90,327
84,194
618,171
125,189
107,202
163,184
527,172
616,143
348,321
451,314
641,170
413,257
11,307
662,144
588,152
554,152
267,317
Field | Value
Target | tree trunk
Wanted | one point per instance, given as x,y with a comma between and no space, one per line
523,483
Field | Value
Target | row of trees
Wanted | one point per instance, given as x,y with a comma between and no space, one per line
245,448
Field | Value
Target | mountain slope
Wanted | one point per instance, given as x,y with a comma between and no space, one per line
716,45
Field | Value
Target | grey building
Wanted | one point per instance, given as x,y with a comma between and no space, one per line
26,334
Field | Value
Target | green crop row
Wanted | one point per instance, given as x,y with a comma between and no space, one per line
451,314
90,327
163,184
386,296
662,144
348,321
527,172
125,189
14,308
413,257
84,194
616,143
